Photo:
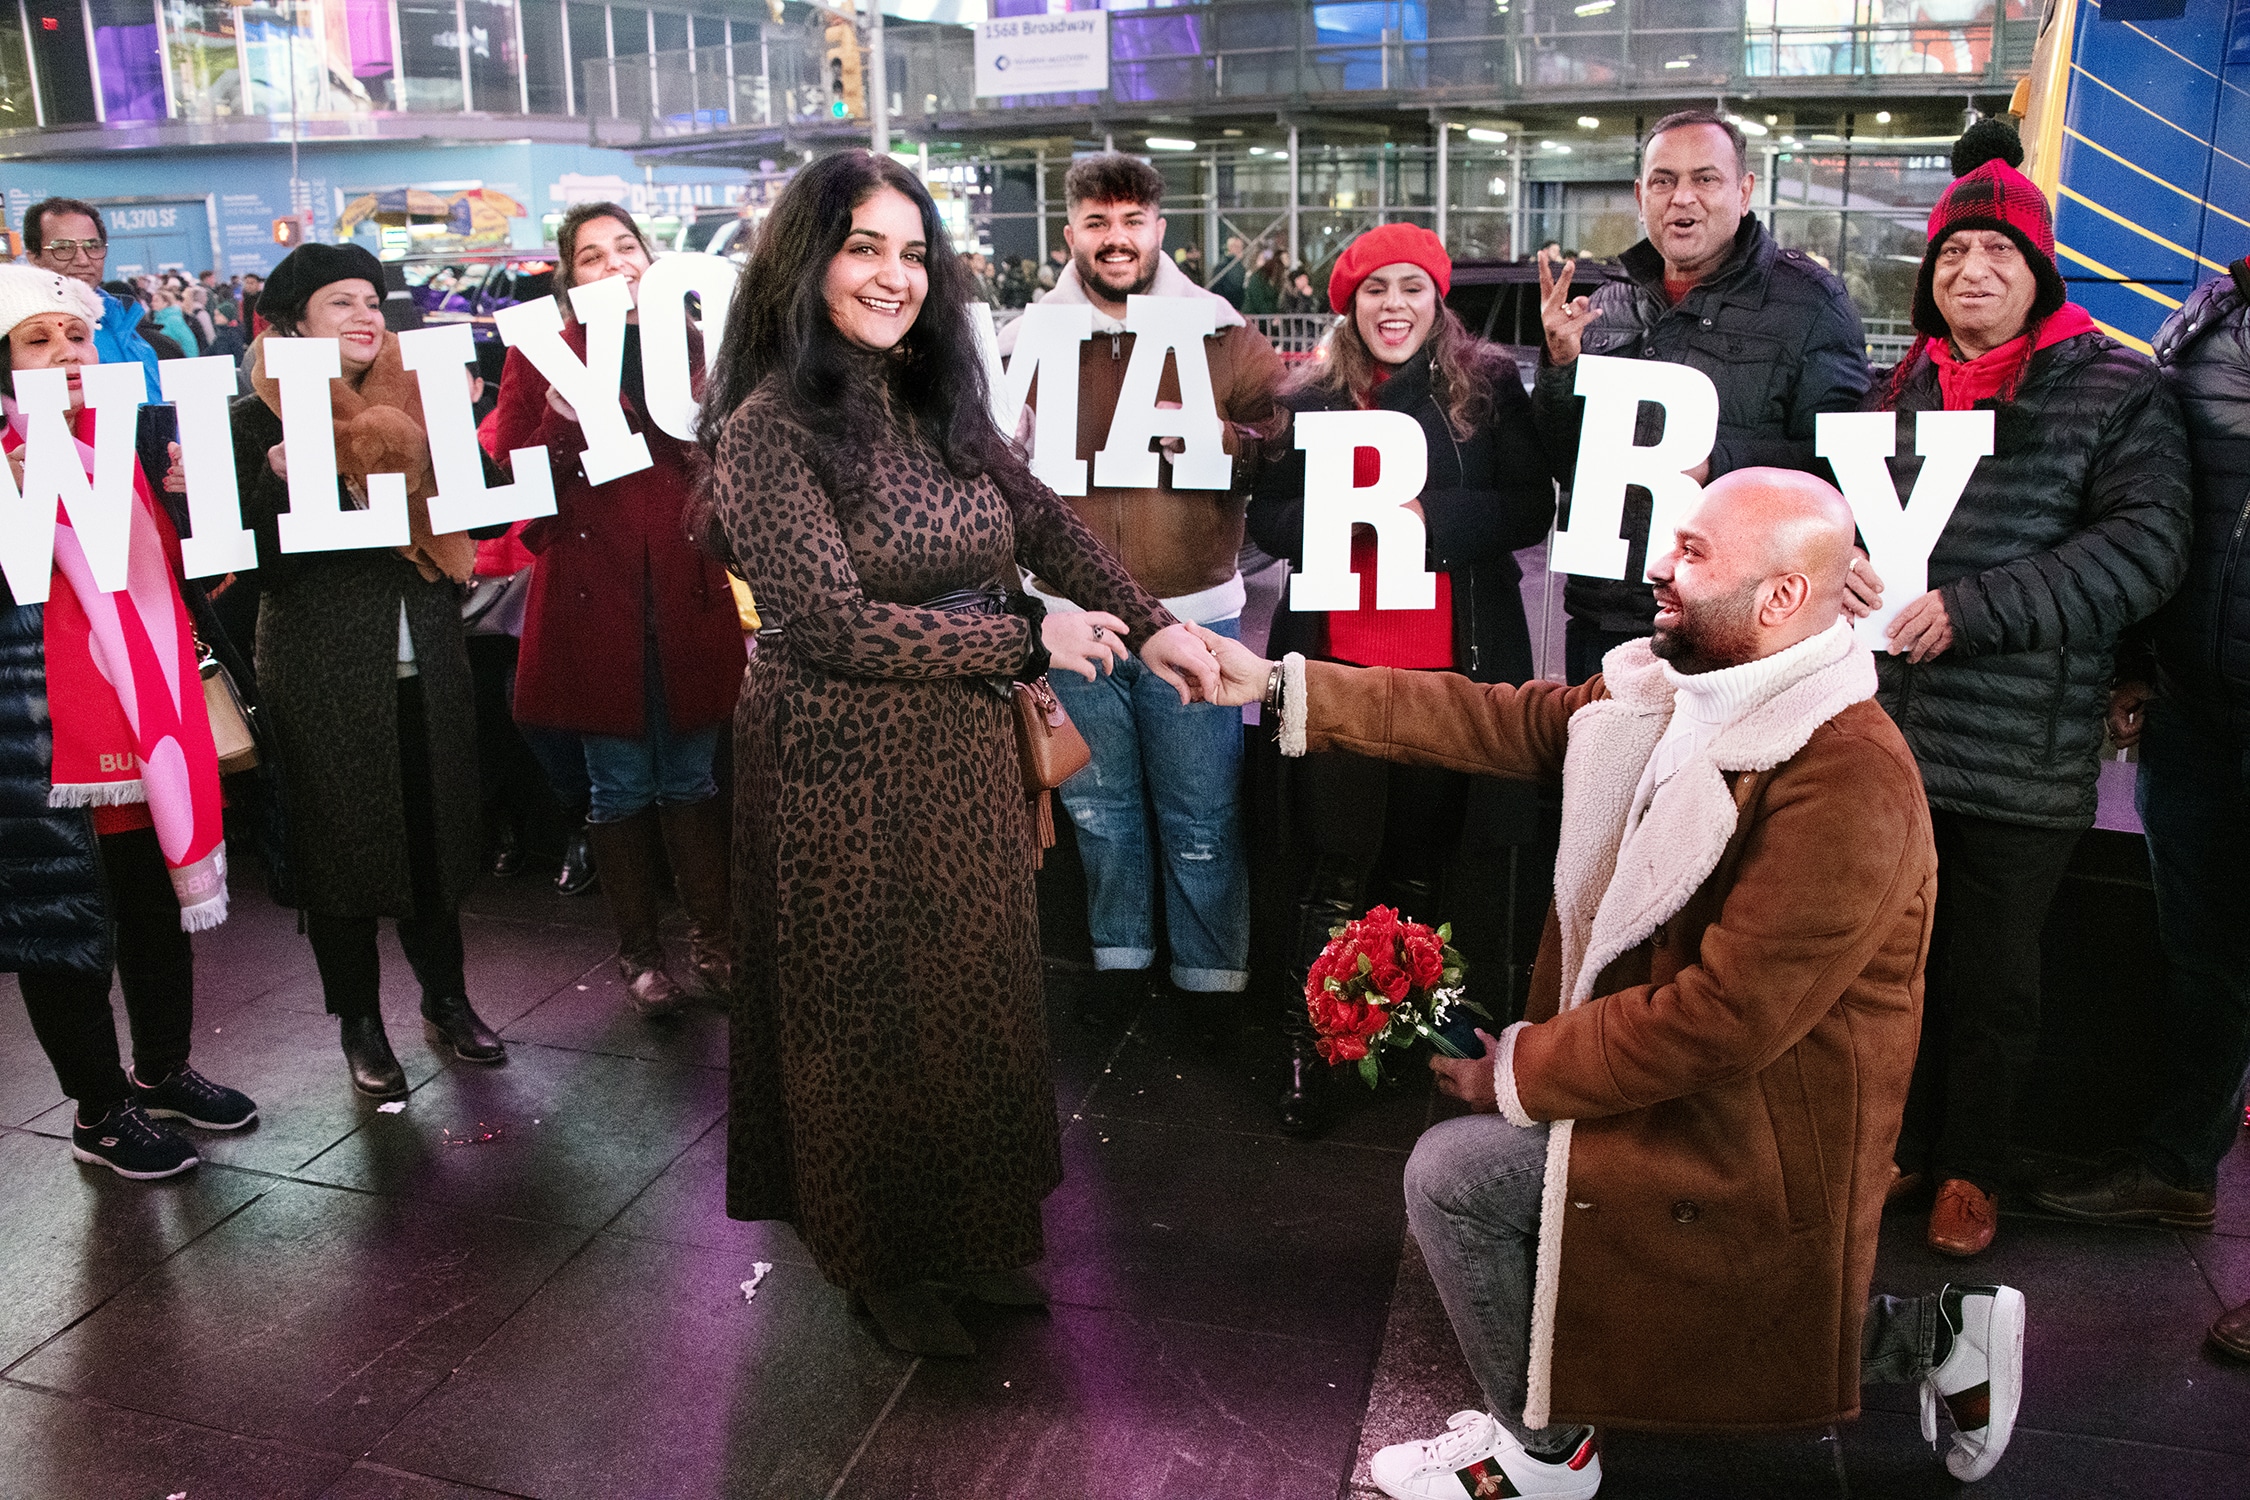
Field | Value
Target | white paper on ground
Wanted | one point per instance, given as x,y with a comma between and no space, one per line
758,1270
396,1106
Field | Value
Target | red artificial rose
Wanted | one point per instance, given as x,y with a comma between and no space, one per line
1425,957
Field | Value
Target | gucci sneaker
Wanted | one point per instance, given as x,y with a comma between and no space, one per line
1476,1457
1980,1381
188,1095
131,1144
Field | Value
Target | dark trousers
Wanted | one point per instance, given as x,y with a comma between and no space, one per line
1367,830
1980,1006
2194,799
344,946
155,967
1585,644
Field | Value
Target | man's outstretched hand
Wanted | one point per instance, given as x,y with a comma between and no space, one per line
1242,671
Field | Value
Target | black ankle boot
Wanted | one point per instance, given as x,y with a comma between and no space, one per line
367,1052
578,874
1304,1086
450,1021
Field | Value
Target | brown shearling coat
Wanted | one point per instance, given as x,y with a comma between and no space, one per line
1735,1073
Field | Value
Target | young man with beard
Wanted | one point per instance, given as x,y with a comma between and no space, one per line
1663,1212
1709,288
1179,544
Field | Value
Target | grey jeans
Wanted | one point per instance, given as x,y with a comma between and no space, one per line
1473,1187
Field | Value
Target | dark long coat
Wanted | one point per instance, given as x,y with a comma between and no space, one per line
327,664
889,1085
609,558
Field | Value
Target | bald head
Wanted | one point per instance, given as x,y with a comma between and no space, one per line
1760,563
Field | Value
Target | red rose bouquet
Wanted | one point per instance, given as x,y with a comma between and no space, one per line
1384,982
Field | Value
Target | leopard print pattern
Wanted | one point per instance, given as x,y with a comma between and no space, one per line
889,1087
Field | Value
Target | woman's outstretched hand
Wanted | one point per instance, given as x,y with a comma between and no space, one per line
1242,671
1087,642
1181,655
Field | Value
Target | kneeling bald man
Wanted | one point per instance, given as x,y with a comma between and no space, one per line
1664,1213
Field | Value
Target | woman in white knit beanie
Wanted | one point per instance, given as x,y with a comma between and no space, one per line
112,844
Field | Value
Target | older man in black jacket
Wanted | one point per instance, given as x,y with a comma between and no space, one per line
2188,708
1710,288
2071,532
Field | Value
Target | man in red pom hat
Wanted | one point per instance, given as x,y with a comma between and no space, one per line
2075,529
1707,287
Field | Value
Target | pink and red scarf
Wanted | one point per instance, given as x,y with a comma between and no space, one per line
125,694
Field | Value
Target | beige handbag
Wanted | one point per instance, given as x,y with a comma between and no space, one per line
230,722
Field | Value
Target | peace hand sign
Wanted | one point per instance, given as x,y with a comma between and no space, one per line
1564,317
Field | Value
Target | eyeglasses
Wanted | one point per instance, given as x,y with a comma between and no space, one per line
72,249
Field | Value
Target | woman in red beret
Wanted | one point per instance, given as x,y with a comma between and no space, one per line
1364,829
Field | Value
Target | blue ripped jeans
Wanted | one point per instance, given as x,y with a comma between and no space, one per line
1187,763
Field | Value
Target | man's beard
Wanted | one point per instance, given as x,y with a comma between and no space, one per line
1712,635
1089,273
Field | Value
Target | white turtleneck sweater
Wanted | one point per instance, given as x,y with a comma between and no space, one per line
1706,702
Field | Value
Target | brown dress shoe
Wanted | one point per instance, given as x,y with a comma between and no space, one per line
1963,1219
2125,1192
2231,1334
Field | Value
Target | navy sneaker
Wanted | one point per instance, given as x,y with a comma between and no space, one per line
131,1144
188,1095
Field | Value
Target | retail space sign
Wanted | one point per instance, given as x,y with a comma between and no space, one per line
1058,54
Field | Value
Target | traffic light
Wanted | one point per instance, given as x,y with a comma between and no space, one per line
289,232
847,92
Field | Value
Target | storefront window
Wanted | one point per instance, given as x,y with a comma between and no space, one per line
495,70
129,59
589,43
356,43
430,55
58,45
16,111
206,66
545,60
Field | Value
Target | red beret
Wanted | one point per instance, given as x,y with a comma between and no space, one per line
1388,246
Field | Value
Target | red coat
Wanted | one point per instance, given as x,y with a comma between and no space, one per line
600,556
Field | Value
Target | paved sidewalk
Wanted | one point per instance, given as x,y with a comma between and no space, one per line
524,1284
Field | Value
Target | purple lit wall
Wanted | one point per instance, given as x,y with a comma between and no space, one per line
368,24
132,71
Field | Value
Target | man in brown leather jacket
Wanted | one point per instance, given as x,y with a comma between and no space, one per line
1179,544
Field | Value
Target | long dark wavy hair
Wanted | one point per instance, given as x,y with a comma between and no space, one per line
778,328
1462,369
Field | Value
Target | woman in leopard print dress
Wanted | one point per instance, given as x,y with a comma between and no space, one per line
889,1082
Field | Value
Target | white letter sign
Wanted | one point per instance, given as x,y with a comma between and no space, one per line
1900,540
100,512
316,520
1047,336
1608,461
665,376
217,541
1333,505
613,449
438,356
1160,326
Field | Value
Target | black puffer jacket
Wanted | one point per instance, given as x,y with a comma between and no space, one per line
1487,495
1777,334
2075,529
53,911
2202,638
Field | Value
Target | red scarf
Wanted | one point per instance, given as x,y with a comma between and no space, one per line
1372,637
125,694
1994,374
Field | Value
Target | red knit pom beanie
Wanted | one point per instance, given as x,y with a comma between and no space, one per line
1388,245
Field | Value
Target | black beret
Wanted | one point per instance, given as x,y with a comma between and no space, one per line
308,268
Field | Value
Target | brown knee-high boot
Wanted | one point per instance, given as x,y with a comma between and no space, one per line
695,839
627,853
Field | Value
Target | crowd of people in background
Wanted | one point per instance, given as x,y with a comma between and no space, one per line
855,571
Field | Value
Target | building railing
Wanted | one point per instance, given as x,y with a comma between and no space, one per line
1280,51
